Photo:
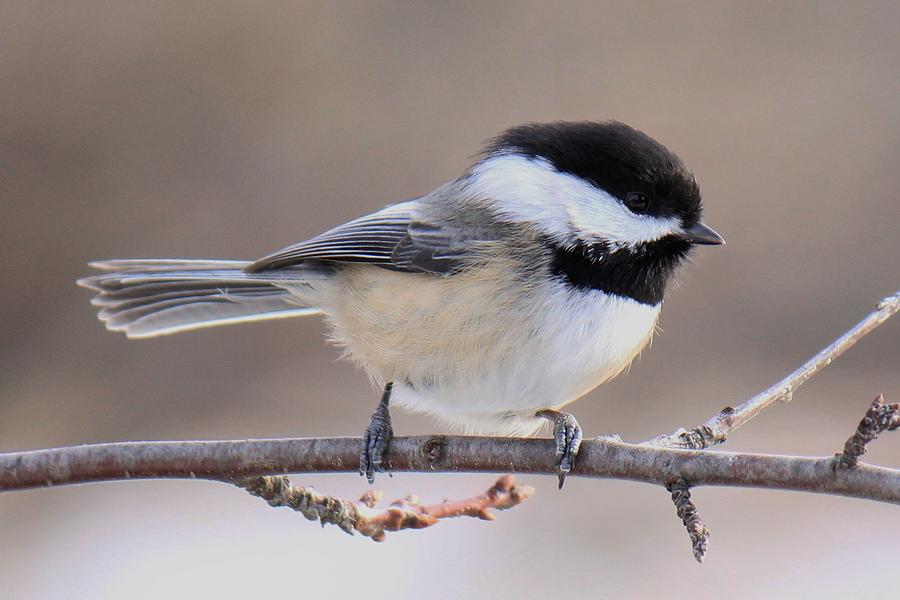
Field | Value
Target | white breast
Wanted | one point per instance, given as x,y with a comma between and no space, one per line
580,340
479,351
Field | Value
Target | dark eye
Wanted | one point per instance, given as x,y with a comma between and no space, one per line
637,202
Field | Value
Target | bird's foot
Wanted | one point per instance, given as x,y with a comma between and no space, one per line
567,435
377,439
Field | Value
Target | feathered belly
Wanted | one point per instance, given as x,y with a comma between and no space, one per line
481,351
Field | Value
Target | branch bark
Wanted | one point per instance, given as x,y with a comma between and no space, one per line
230,461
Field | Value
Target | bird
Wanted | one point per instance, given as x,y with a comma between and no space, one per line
490,303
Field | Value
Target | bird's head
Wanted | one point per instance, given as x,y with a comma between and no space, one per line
593,183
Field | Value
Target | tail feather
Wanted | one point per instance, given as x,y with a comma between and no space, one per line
152,297
166,264
146,293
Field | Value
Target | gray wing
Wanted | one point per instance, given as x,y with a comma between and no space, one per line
394,238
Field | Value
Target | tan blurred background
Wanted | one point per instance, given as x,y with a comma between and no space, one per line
231,129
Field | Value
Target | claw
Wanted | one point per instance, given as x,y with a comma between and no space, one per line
567,435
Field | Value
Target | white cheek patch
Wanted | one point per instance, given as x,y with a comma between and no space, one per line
531,190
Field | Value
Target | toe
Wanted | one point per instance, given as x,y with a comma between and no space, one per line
365,458
375,444
568,437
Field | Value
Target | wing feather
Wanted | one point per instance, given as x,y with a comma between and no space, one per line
394,238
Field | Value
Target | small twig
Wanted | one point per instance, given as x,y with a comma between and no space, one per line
716,430
363,516
880,417
687,512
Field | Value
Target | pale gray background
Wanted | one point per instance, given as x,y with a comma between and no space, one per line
231,129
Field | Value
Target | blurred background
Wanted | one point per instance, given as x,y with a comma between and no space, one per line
228,130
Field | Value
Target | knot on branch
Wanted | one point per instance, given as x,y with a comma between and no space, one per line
699,438
433,449
687,512
890,303
880,417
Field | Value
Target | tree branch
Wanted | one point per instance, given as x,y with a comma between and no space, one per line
716,430
230,461
676,462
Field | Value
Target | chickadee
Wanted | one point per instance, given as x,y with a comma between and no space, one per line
491,302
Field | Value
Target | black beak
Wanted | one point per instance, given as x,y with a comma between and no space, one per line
704,234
